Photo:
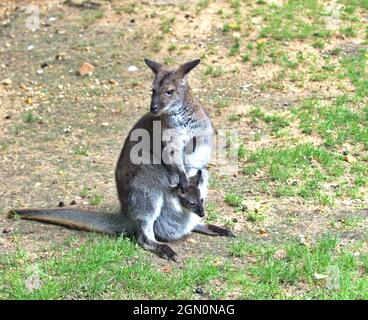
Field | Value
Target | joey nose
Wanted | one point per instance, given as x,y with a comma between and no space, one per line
200,213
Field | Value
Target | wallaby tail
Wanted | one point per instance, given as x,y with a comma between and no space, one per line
106,223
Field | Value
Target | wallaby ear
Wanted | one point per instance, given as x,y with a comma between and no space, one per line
154,66
197,178
185,68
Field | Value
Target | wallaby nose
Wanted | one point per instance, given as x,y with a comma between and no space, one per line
154,109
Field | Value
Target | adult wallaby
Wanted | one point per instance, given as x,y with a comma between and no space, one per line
150,209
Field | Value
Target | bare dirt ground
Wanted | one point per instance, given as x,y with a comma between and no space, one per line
61,133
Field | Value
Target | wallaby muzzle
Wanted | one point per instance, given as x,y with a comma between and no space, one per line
154,109
200,212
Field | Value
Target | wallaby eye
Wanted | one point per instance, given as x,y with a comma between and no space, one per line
170,92
192,204
202,200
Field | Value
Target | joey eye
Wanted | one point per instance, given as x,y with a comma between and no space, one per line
170,92
202,200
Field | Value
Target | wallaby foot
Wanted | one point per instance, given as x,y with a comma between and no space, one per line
162,250
213,230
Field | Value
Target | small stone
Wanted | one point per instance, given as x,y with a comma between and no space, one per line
61,204
60,56
73,203
350,159
8,230
132,69
39,71
86,68
6,82
319,276
263,232
302,239
246,86
113,82
199,290
190,240
44,65
30,47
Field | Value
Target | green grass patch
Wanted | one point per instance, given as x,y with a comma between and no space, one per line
334,121
274,121
356,69
294,19
233,200
167,24
214,72
323,270
297,170
106,268
116,268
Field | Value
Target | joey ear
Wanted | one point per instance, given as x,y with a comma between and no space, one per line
185,68
175,188
154,66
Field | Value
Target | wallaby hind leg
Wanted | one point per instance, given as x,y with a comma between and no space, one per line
213,230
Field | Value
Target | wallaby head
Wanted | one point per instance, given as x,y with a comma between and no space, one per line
191,199
169,86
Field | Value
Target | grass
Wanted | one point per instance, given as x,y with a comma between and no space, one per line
301,170
96,200
334,121
202,4
167,24
30,117
106,268
129,8
288,21
214,72
233,200
275,122
91,16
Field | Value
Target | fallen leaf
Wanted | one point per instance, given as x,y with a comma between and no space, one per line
86,68
166,269
350,159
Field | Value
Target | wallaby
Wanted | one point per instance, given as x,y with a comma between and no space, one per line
150,208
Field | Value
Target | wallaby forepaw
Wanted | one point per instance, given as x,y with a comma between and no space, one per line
164,251
221,232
